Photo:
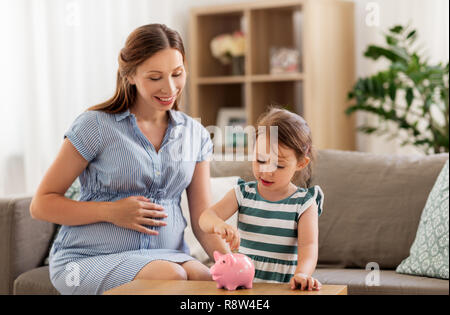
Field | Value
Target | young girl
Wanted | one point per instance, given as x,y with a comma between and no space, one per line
278,221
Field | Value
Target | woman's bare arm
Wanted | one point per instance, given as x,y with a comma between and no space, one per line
199,199
49,203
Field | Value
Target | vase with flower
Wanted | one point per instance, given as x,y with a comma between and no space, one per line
229,49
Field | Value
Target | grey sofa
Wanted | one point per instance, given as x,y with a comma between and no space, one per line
371,213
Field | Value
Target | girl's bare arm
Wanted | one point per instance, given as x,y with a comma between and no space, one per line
308,241
219,212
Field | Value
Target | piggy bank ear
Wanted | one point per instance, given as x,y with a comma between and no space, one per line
216,255
231,259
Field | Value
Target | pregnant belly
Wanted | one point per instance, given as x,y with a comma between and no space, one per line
106,238
97,239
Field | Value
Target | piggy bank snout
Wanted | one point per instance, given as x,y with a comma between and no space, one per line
213,270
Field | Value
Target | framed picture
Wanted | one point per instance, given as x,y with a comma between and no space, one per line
231,117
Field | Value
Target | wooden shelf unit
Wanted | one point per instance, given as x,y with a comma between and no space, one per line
322,30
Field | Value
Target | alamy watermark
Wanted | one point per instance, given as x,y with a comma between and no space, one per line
72,16
373,14
72,278
373,277
242,149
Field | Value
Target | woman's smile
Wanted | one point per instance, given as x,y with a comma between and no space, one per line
166,100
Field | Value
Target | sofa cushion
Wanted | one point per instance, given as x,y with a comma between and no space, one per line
24,242
242,169
429,252
390,282
372,205
35,281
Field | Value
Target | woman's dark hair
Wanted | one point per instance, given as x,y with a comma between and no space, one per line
140,45
293,133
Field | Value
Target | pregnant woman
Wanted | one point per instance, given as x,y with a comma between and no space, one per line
134,155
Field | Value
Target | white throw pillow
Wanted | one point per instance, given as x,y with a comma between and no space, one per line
219,187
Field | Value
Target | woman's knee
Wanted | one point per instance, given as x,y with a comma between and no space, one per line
195,270
162,270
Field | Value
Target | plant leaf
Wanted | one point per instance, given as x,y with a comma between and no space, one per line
376,52
411,34
409,96
396,29
392,91
367,129
390,40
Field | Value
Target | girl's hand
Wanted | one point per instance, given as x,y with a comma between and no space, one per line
304,282
229,233
135,212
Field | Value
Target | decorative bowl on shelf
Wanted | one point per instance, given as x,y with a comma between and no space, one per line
284,60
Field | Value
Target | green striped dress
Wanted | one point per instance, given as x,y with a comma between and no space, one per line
268,229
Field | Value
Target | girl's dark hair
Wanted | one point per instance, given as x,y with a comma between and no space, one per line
293,133
140,45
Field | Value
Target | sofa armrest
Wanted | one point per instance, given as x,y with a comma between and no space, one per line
24,241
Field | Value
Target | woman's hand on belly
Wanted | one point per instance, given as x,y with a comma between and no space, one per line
135,213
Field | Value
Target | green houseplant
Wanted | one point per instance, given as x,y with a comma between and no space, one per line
411,93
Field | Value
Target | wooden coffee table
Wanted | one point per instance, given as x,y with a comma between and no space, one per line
182,287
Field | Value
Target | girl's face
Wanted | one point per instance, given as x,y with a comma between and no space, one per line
160,79
275,170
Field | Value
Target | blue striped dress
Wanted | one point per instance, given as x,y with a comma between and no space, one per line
268,229
93,258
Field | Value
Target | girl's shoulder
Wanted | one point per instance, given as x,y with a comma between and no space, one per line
242,183
305,197
245,190
310,191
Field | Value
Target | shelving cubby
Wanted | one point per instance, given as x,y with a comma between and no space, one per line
317,91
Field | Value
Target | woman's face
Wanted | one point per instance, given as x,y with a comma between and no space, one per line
160,79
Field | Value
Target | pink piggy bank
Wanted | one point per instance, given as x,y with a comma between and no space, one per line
232,271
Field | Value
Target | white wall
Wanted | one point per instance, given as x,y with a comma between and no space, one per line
58,57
